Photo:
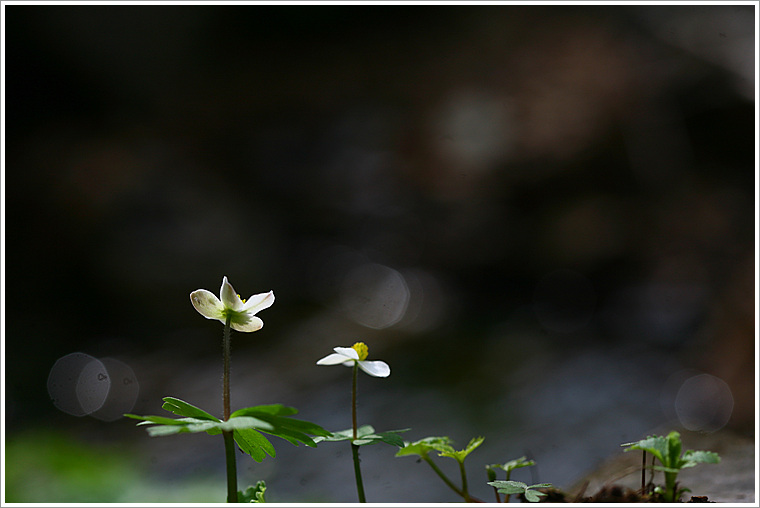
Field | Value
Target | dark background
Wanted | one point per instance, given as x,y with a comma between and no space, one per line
542,217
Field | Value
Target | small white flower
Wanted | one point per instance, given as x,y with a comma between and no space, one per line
356,354
242,312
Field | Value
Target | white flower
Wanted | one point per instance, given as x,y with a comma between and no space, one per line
242,312
356,354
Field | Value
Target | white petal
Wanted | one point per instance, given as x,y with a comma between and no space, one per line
230,299
347,351
259,302
207,304
333,359
251,324
376,368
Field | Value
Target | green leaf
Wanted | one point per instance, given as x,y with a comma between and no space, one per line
509,486
254,444
272,409
291,429
460,455
691,458
533,496
168,426
159,419
253,494
245,422
656,445
247,425
182,408
425,446
667,449
514,464
513,487
666,469
365,435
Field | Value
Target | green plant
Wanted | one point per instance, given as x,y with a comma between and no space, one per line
508,467
442,445
513,487
356,357
243,427
667,449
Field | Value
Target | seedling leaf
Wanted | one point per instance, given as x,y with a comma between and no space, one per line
426,445
253,494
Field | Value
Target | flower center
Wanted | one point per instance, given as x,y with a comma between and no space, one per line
361,349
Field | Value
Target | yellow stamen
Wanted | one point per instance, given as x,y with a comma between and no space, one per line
362,349
241,299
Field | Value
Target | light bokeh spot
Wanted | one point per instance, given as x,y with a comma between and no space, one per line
80,385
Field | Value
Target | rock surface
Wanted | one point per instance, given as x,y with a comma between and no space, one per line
731,481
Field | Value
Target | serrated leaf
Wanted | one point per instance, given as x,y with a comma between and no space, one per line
167,426
291,429
656,445
182,408
392,438
253,494
365,435
346,435
515,464
509,486
693,457
253,443
460,455
163,420
272,409
533,496
425,446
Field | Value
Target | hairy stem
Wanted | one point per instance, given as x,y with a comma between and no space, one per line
229,438
226,374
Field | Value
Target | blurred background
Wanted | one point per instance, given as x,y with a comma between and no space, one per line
542,217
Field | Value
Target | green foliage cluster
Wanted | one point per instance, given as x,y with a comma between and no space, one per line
667,450
247,425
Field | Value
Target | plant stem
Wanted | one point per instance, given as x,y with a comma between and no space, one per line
506,496
496,491
358,473
465,493
643,470
226,374
670,487
229,438
355,447
443,477
229,453
353,398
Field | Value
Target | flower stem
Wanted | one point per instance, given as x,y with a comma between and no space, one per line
229,453
226,374
465,493
358,473
442,475
353,399
355,447
229,438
